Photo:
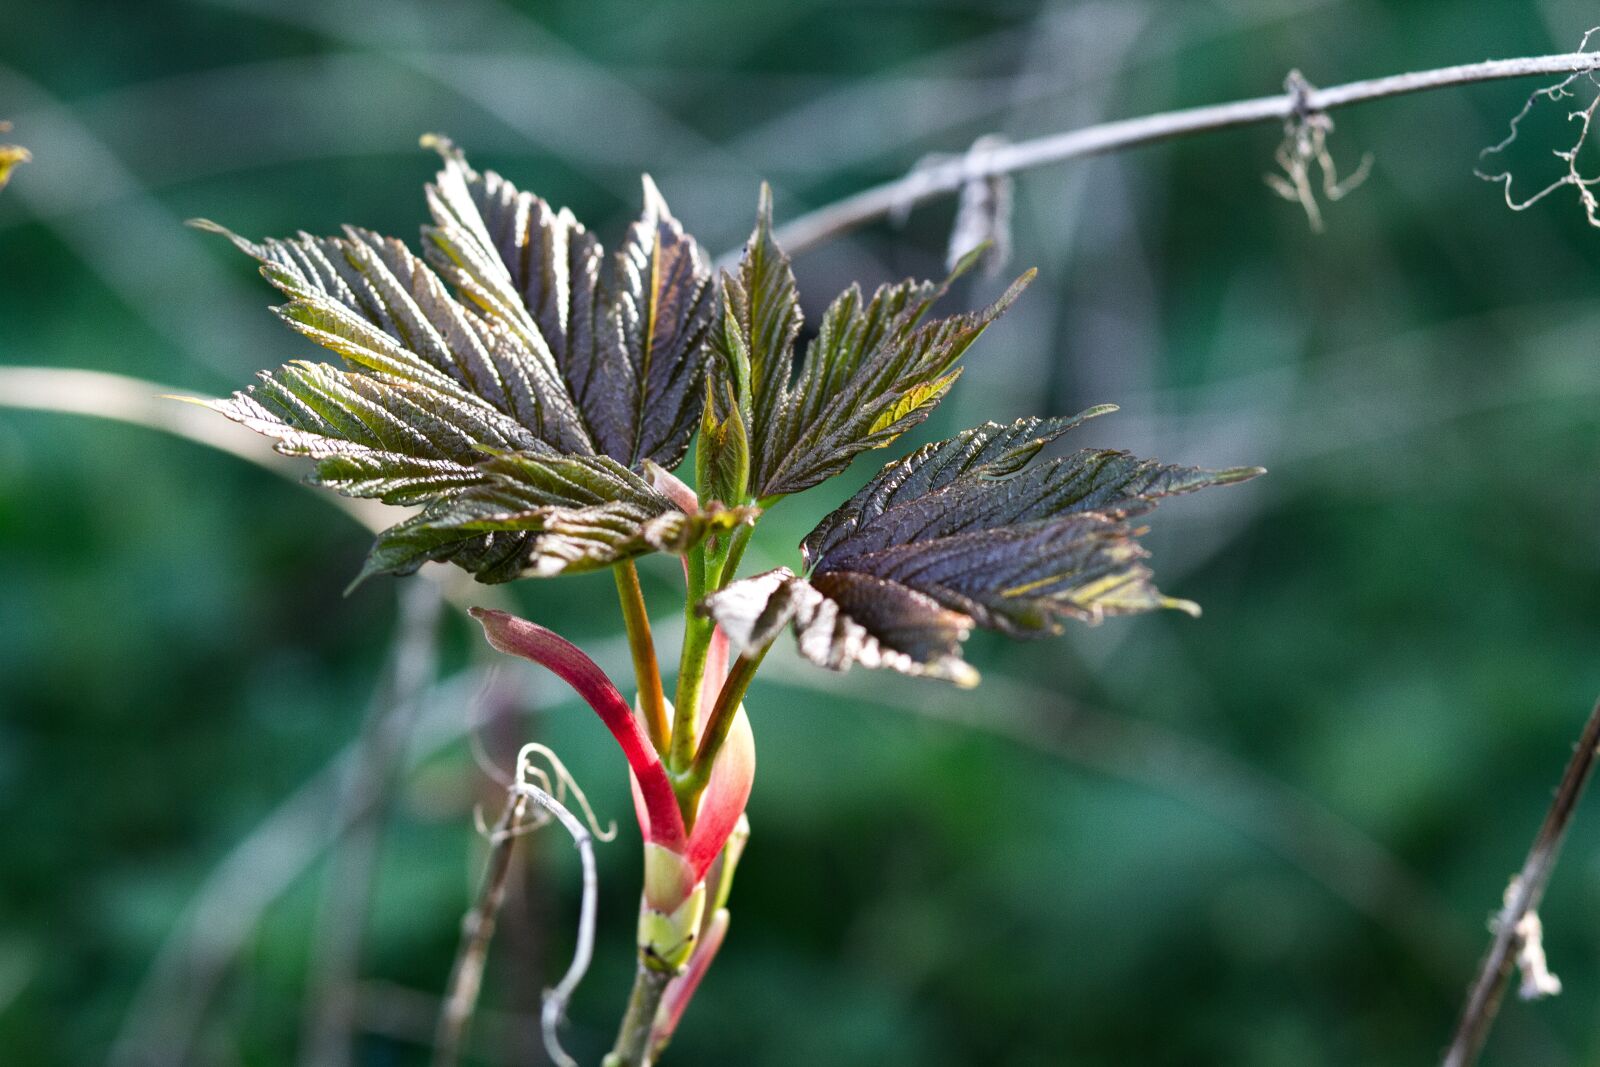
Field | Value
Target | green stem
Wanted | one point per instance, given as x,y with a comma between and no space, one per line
707,570
691,666
719,722
730,567
638,1022
646,670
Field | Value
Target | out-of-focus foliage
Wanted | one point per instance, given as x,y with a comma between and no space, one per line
1267,837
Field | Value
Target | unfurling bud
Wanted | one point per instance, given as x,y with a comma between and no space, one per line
671,912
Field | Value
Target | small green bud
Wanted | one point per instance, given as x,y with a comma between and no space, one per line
667,939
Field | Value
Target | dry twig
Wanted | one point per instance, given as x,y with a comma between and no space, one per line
1304,146
477,927
1518,933
948,177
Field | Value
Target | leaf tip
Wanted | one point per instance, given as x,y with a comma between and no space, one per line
1015,289
200,401
441,144
1234,475
655,205
367,571
962,674
248,247
1188,607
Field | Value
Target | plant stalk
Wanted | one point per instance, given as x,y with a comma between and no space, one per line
633,1047
740,540
720,721
1523,897
691,665
646,668
477,930
944,179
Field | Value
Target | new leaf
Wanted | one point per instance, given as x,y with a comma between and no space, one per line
517,407
966,533
874,371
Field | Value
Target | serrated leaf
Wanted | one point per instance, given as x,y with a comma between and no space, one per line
374,435
992,450
761,320
660,324
874,371
966,530
898,628
722,452
535,355
370,299
631,349
540,515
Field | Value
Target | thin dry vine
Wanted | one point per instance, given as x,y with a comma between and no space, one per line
1583,116
547,800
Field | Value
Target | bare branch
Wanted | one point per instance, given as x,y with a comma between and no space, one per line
1517,932
948,177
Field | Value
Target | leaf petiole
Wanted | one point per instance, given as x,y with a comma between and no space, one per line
646,669
693,781
691,664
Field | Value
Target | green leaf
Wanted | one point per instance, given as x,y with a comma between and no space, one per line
631,349
368,298
761,320
874,371
722,452
515,407
966,533
375,435
539,515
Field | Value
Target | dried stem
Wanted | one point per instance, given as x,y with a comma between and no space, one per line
1584,117
951,175
477,927
477,930
1512,928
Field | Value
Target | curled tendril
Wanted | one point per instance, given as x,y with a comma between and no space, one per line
1583,116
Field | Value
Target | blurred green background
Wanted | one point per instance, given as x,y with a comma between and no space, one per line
1270,836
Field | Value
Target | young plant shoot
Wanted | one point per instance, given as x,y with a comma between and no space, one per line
532,398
